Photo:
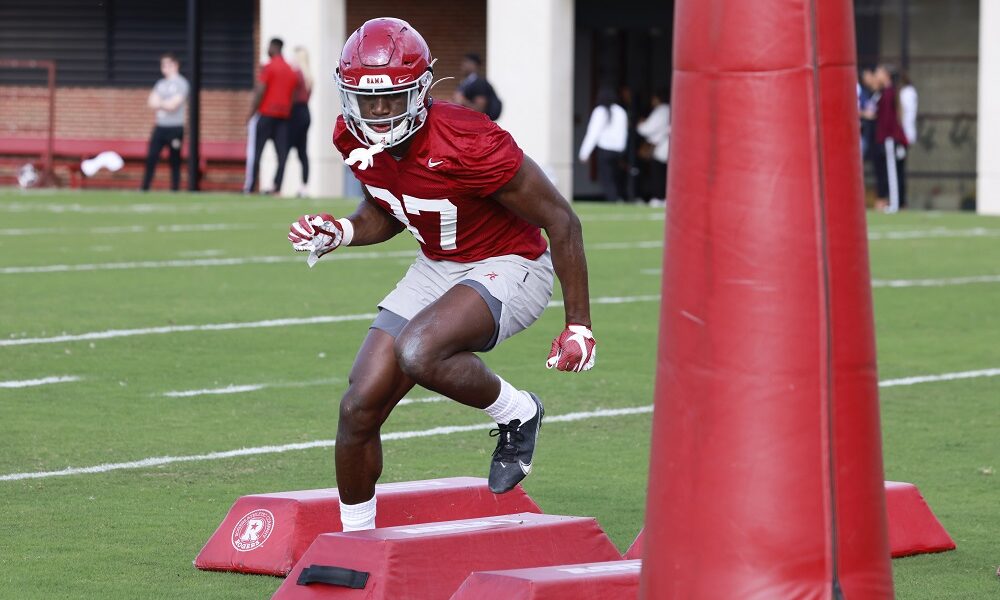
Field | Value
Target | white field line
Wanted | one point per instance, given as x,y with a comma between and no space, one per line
200,262
43,381
142,208
118,333
397,435
939,232
236,261
229,389
131,229
906,283
405,435
250,387
228,262
903,283
425,400
942,377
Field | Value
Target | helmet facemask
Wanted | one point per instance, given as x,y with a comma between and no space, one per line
354,94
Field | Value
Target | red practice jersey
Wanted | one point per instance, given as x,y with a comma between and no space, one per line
279,80
440,190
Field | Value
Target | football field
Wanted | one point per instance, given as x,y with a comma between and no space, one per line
161,355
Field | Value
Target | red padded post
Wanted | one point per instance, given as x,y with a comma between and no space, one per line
766,475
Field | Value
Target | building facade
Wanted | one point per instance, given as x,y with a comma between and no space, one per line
546,60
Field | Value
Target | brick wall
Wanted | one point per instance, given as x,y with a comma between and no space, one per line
114,113
452,29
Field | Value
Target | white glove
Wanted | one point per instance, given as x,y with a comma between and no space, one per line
316,234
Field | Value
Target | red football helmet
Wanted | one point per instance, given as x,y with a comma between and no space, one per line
385,57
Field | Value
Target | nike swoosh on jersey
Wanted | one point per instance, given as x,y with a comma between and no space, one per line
432,163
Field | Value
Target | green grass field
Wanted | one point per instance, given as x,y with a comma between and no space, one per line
84,263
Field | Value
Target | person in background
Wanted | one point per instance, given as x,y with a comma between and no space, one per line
655,128
607,131
867,99
890,146
474,91
169,100
908,108
269,115
298,125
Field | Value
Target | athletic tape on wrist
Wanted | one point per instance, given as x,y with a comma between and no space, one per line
348,231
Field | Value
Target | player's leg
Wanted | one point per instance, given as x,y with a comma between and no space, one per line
437,347
375,386
437,350
156,142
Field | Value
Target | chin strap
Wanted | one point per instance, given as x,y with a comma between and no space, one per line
363,157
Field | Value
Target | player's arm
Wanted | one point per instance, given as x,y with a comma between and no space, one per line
531,196
372,225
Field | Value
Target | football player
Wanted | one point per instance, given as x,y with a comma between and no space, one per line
476,204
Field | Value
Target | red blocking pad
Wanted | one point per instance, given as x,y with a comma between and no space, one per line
430,561
267,533
590,581
913,528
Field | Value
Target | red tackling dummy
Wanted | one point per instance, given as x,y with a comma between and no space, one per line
431,561
766,475
267,533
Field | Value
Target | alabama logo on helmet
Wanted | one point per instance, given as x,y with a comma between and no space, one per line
253,530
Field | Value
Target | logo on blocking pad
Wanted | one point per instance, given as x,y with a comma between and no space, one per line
253,530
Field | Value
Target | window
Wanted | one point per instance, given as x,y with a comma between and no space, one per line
119,42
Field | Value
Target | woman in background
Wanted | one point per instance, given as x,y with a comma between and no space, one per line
299,121
608,132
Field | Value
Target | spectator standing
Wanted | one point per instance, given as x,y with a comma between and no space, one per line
270,112
655,128
169,100
867,99
607,131
475,91
908,108
298,132
890,146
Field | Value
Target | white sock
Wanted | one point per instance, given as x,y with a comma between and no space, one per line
358,517
511,404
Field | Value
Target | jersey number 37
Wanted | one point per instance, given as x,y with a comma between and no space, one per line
414,206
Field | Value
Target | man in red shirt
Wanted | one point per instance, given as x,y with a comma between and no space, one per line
476,205
269,114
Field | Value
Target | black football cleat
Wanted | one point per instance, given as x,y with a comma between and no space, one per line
515,446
